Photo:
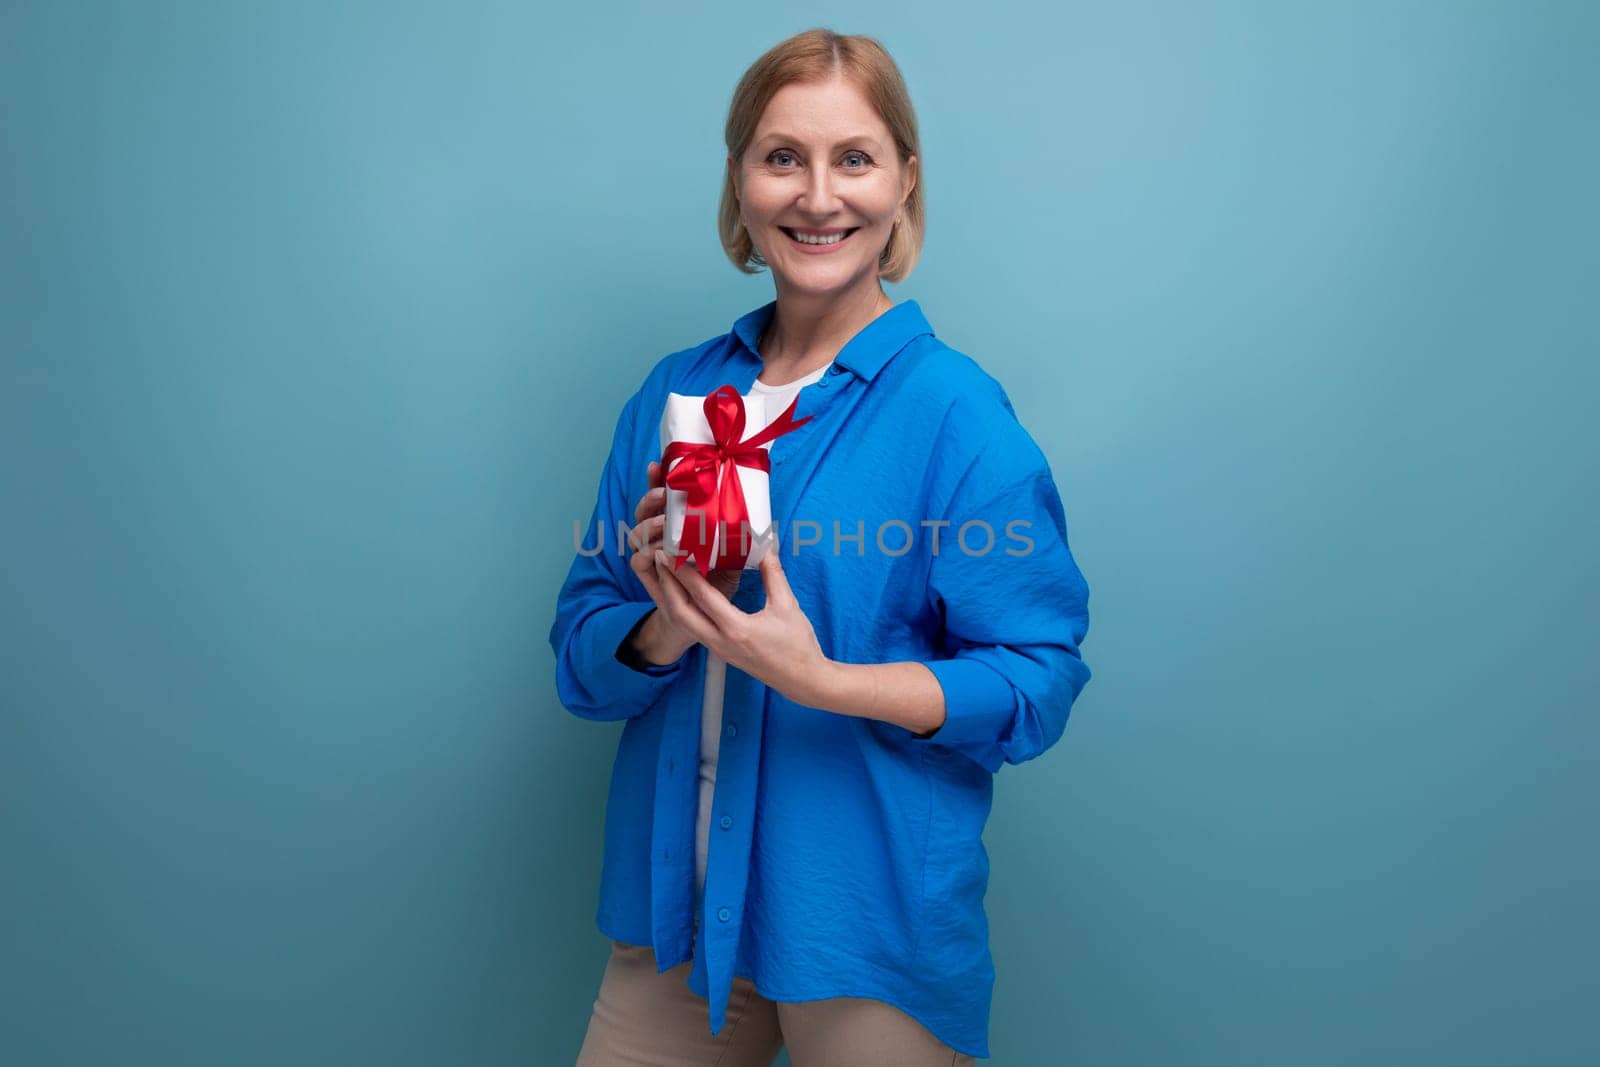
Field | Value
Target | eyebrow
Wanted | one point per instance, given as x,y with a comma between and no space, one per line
856,138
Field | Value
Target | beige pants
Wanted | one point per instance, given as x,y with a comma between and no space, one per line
642,1017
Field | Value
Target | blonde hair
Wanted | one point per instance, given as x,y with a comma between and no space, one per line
813,56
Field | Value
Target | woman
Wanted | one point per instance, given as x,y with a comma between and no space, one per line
917,627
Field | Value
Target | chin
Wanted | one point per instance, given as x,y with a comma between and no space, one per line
804,284
822,275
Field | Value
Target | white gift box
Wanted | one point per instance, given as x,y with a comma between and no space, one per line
684,419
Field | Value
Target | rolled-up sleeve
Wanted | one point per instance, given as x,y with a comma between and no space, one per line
1013,616
602,600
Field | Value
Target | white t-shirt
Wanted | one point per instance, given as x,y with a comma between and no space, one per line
716,675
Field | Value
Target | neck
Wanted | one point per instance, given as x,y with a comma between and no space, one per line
806,331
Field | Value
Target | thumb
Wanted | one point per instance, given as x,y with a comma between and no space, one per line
772,576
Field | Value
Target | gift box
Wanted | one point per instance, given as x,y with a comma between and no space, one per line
716,467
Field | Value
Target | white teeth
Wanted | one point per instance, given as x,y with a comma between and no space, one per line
807,239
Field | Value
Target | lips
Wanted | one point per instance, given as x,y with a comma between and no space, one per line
795,234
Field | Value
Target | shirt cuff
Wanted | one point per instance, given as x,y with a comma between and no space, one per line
979,705
606,630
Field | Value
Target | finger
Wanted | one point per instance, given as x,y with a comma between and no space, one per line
776,582
654,582
653,502
708,598
646,535
644,568
679,606
653,474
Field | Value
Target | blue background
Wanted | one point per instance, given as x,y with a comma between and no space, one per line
315,322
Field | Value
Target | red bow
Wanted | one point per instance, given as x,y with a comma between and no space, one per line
709,474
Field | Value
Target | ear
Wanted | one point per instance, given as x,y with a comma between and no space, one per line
910,179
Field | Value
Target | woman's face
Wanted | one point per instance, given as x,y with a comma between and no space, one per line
821,164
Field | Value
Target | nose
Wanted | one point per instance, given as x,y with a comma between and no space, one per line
819,200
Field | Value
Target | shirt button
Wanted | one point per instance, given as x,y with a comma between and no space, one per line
727,821
724,914
733,730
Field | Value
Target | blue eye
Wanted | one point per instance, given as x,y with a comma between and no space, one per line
780,152
865,159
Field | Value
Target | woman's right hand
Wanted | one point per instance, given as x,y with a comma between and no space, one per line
647,535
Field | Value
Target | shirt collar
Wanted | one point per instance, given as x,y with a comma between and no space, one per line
864,354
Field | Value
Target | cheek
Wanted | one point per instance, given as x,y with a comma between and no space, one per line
875,203
886,200
762,199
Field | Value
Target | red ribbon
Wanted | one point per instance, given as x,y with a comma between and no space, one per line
709,474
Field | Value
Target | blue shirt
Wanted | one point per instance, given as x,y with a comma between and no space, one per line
846,854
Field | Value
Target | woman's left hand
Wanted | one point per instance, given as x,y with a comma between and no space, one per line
776,645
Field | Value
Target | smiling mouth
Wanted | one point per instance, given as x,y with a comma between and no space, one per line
818,238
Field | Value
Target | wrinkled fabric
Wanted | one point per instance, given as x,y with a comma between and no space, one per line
846,854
